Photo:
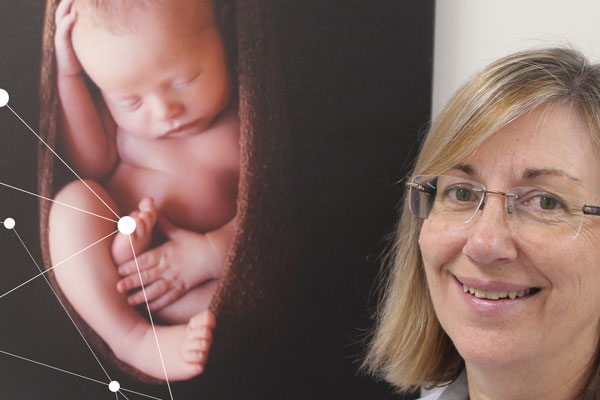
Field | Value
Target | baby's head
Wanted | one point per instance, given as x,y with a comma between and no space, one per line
159,64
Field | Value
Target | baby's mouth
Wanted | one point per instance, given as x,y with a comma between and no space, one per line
499,294
178,127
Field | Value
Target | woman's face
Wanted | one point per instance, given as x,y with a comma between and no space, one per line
559,321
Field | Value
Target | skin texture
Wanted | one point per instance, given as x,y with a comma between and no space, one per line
162,140
542,347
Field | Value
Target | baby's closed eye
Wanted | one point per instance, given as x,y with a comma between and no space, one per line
183,83
129,103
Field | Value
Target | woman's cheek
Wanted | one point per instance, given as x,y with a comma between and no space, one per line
439,245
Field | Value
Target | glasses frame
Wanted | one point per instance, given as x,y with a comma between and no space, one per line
586,209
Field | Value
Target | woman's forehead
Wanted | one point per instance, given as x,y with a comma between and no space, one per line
549,141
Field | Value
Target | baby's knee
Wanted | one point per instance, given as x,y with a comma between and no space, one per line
83,203
81,213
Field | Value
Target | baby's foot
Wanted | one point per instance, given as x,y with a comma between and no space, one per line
198,340
183,348
145,219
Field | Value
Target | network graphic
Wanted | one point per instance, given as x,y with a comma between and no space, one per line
125,225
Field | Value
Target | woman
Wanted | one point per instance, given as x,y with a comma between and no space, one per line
493,287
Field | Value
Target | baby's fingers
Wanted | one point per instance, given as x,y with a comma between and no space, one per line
153,291
147,260
64,27
166,299
64,7
66,60
133,281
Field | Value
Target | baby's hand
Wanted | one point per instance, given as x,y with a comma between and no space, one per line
170,270
66,60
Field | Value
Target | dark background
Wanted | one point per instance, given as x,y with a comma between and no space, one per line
358,76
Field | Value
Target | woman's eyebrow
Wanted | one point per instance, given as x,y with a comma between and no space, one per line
530,173
466,168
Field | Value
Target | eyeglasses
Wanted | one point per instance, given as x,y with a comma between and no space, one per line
532,210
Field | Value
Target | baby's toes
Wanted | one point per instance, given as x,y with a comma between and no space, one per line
205,319
203,333
199,335
195,351
195,357
147,219
197,345
147,204
198,338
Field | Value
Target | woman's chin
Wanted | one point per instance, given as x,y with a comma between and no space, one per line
488,349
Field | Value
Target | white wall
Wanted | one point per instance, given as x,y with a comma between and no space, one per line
470,34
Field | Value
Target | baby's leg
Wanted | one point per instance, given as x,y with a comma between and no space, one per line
188,305
89,280
145,219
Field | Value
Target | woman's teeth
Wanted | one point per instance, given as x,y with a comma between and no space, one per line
495,294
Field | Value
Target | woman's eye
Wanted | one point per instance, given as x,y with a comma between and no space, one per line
548,203
463,194
542,202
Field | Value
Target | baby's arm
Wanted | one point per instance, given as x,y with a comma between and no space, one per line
84,139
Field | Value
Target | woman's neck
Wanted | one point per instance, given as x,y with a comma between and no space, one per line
562,378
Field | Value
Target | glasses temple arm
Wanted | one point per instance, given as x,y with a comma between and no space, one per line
590,210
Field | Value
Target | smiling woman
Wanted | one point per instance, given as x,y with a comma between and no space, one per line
493,284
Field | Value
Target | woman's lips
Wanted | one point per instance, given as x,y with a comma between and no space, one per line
495,290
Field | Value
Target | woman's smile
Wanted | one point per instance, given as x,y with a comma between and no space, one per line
492,298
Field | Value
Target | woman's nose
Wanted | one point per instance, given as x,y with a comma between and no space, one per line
164,109
490,240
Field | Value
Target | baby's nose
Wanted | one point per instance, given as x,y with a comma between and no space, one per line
163,109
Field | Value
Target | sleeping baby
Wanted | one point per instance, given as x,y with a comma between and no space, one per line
149,122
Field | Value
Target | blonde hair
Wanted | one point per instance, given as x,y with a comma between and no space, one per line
409,347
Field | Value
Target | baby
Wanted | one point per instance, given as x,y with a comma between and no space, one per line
159,141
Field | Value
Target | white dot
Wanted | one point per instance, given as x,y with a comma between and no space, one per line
114,386
126,225
3,97
9,223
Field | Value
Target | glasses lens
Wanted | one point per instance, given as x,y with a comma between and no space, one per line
449,197
422,194
542,212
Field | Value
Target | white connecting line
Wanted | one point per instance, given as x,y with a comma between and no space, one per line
56,265
76,327
63,161
58,202
42,273
150,315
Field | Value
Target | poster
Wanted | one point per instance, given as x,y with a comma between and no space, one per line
356,83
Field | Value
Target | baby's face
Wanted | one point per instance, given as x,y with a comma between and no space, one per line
165,78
